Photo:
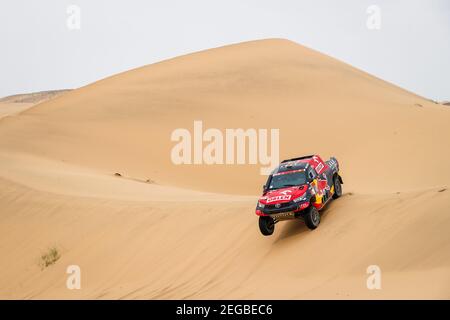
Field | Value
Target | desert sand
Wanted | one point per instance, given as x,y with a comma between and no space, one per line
164,231
12,105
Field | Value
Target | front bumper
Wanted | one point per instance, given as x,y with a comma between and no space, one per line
283,207
287,210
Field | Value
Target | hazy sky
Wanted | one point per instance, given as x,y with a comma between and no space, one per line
39,51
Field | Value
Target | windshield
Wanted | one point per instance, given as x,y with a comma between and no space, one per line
289,179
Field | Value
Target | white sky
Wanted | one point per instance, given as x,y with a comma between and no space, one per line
39,52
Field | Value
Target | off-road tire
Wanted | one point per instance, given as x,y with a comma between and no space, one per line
312,217
337,187
266,225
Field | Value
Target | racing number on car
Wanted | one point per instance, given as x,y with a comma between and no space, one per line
319,165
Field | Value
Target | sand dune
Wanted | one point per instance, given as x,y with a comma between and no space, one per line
262,84
12,105
12,109
34,97
192,232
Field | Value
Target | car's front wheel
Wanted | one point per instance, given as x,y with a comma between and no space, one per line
312,218
266,225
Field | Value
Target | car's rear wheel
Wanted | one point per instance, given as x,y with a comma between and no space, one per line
266,225
337,188
312,218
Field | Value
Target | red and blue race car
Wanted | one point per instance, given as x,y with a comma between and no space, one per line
297,189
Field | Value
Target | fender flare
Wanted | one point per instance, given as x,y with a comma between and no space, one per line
336,175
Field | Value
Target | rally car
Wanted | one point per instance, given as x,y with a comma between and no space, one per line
297,189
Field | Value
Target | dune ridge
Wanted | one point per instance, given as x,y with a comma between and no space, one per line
15,104
34,97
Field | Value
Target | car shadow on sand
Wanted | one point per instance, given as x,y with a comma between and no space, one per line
297,227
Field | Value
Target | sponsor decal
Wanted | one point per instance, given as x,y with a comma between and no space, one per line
319,167
304,205
288,214
288,172
325,181
279,198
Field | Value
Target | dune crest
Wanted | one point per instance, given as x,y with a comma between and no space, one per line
124,123
15,104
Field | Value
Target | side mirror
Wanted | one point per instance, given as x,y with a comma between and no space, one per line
264,188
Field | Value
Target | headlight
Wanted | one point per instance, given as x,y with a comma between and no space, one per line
260,205
300,199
